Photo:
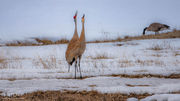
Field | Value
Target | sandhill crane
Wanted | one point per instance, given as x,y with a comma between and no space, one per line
82,40
72,52
155,27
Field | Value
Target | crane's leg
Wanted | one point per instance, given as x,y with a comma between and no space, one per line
68,67
156,33
79,60
80,66
75,68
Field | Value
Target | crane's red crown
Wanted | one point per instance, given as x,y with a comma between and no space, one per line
75,17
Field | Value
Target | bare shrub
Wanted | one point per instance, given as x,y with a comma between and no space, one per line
156,47
126,37
150,62
156,55
144,62
3,62
125,63
47,41
101,56
176,53
2,59
62,41
44,41
49,62
95,64
161,46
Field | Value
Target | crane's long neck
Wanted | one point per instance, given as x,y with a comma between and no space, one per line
144,30
75,31
82,37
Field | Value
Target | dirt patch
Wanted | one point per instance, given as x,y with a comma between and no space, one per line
119,44
72,96
101,56
129,85
13,79
172,76
92,85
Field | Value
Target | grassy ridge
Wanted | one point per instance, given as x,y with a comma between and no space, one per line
173,34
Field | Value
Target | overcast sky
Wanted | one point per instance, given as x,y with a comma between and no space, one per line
28,18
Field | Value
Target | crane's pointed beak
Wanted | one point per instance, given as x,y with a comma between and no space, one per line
83,17
76,13
75,16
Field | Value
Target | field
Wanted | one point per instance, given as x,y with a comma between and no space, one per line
134,68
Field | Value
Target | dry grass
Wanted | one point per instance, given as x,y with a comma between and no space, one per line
174,34
119,44
72,96
92,85
150,62
130,85
156,47
101,56
161,46
21,44
172,76
125,63
44,41
129,63
3,62
49,62
176,53
11,61
156,55
39,42
95,64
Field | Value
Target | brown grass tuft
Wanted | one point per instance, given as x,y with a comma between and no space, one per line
161,46
44,41
3,62
101,56
174,34
47,63
156,55
73,96
125,63
137,85
62,41
92,85
176,53
172,76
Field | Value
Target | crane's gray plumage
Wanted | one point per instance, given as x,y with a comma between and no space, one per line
72,51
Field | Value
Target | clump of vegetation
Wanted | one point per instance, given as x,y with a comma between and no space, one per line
44,41
101,56
161,46
62,41
174,34
47,63
3,62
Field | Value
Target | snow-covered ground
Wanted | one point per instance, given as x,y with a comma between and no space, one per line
32,68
